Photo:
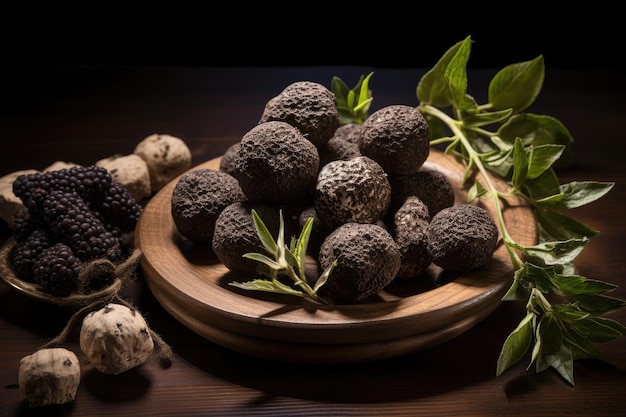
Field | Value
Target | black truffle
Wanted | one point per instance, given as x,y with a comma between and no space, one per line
236,235
350,132
276,164
397,137
409,228
198,198
227,163
429,184
338,149
368,259
462,237
356,190
308,106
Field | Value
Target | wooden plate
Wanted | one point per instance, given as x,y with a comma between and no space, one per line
191,284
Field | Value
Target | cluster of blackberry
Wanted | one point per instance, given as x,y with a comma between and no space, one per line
70,216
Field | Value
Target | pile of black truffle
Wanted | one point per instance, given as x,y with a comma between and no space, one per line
378,209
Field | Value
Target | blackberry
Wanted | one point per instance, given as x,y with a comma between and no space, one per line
24,223
117,207
56,270
72,222
86,181
25,252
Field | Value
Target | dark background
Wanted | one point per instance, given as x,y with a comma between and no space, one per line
298,33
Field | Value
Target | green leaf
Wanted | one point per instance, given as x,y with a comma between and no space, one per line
520,164
264,234
267,286
542,157
456,76
263,259
554,253
517,86
433,87
583,348
551,334
597,304
538,130
562,361
542,186
516,344
486,118
576,284
580,193
598,329
561,227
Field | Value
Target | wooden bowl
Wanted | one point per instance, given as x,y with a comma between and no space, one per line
192,285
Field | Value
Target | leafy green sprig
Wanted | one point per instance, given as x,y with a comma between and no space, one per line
284,261
524,149
352,104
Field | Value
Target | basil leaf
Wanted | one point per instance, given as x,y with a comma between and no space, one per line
580,193
518,85
516,344
433,87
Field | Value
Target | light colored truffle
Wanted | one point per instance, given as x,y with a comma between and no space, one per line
131,171
49,376
9,202
115,339
166,156
55,166
355,190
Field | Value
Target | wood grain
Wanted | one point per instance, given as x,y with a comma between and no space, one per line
192,285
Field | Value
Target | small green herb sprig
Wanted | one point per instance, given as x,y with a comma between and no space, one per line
352,104
285,261
524,149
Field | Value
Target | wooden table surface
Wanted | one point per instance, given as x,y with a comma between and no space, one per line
83,114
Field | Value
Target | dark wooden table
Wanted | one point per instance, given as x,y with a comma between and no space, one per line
82,114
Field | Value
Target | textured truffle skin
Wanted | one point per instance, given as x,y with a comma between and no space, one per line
166,156
235,234
198,198
227,163
462,237
308,106
49,376
350,132
397,137
430,185
115,339
338,149
409,231
276,164
131,171
356,190
368,259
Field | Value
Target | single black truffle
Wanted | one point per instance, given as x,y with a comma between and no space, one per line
308,106
276,164
397,137
462,237
198,198
429,184
350,132
338,149
236,235
227,163
368,259
356,190
409,231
